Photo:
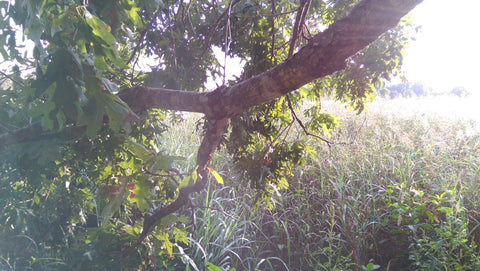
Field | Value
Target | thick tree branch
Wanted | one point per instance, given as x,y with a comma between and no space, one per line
143,98
215,130
326,53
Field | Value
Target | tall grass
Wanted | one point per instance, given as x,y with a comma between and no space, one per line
403,195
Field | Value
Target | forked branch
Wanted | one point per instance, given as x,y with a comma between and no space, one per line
215,130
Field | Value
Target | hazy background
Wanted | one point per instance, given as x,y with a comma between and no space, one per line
445,54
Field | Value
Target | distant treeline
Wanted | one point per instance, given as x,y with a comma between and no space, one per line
417,89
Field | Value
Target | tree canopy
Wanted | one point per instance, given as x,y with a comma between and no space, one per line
87,87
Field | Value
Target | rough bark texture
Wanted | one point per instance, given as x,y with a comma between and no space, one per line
213,135
325,54
142,98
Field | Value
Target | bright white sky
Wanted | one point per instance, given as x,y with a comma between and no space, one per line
446,53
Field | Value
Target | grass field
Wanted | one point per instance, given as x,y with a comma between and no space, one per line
402,195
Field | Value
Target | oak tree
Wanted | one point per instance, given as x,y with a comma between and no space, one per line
87,86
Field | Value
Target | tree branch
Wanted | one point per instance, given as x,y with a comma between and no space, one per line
299,121
12,79
142,98
208,41
143,34
299,21
326,53
213,135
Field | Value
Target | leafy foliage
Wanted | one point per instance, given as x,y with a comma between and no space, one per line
97,171
402,195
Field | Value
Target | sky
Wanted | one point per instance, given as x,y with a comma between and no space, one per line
446,53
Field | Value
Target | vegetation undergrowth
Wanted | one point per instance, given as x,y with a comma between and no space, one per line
401,195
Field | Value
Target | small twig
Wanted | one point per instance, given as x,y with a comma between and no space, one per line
13,80
4,126
142,35
276,14
176,171
212,32
329,143
170,176
294,115
186,14
358,130
228,39
299,22
179,9
272,33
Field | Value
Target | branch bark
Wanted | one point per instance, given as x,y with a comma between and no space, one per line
215,130
326,53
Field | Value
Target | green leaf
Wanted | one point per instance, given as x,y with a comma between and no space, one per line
426,226
188,180
217,176
137,149
180,235
130,164
92,117
212,267
114,204
430,215
194,176
132,13
167,245
161,162
118,112
141,193
112,54
99,28
47,123
100,62
445,210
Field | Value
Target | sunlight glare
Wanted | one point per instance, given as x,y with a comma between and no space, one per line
445,53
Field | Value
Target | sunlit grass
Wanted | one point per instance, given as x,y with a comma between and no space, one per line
401,195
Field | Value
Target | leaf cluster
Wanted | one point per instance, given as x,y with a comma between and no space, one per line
95,168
